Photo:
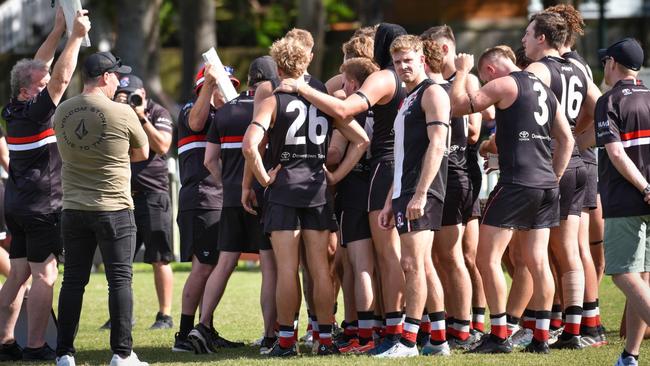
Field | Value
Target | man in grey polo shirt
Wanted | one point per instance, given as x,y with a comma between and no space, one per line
623,131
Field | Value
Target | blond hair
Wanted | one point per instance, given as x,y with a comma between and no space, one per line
407,42
302,36
291,56
359,68
361,46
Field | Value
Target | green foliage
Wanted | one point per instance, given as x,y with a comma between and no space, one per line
169,21
338,11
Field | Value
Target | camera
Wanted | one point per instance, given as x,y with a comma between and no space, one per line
134,100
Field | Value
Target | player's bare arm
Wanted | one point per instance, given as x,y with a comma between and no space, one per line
262,121
561,133
358,143
201,109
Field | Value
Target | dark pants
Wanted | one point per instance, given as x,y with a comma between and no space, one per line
83,231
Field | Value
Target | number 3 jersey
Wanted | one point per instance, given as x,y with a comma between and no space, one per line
569,85
299,140
523,134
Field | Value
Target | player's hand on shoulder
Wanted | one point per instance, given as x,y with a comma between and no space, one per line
464,62
290,85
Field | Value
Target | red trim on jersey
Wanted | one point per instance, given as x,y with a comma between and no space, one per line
189,139
27,139
232,139
635,135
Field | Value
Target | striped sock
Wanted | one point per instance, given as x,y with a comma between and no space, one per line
529,319
410,333
365,326
438,333
573,315
478,319
286,336
378,322
556,317
394,325
542,323
512,323
351,330
461,329
590,315
425,324
498,325
325,334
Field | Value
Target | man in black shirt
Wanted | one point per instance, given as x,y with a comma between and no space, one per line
33,192
150,191
526,197
298,137
623,130
414,204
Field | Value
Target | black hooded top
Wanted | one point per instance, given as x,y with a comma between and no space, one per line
386,33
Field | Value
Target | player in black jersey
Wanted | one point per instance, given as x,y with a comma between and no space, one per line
591,219
447,248
544,36
381,92
414,205
526,197
298,136
351,205
200,202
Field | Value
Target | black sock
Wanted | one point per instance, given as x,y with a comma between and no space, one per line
627,354
187,323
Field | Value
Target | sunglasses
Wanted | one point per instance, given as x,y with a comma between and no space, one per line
603,60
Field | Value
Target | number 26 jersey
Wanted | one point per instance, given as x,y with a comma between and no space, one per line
299,140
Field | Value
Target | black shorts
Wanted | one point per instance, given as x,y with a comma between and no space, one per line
153,219
354,225
572,191
35,236
523,208
199,232
458,205
476,177
431,219
381,179
591,188
279,217
239,231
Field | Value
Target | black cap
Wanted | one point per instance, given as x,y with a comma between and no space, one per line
101,62
627,52
129,84
262,69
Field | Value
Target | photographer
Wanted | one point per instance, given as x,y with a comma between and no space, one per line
150,191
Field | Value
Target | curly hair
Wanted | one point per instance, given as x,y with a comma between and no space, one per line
369,31
574,21
359,68
553,26
302,36
21,74
433,55
361,46
407,42
291,56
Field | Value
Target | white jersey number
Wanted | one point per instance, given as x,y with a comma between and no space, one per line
541,118
571,98
317,126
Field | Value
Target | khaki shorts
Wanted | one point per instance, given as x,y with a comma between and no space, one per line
627,244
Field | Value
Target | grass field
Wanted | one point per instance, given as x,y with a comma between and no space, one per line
238,318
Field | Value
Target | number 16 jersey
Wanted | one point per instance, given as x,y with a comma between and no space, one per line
299,140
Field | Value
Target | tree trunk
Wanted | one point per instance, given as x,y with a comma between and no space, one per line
198,33
311,16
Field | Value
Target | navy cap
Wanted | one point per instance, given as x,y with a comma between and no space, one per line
627,52
129,84
262,69
101,62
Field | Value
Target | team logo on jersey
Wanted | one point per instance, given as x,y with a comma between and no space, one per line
523,136
285,156
81,130
626,91
399,220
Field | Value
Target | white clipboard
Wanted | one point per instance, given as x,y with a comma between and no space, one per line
223,81
70,8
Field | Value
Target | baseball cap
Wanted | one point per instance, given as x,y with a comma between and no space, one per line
129,84
101,62
627,52
200,78
262,69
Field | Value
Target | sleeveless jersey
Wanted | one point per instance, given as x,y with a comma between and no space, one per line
381,145
569,85
458,173
588,155
298,141
227,130
411,143
352,191
199,190
523,134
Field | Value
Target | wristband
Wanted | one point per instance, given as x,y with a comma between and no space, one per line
646,190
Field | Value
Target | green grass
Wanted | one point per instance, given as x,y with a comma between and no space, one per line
238,318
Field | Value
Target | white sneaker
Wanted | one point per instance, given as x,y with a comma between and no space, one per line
132,360
522,338
258,341
399,350
437,350
65,360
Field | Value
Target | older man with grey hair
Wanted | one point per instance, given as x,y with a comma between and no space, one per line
33,192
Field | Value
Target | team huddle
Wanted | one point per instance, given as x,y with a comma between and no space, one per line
382,159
